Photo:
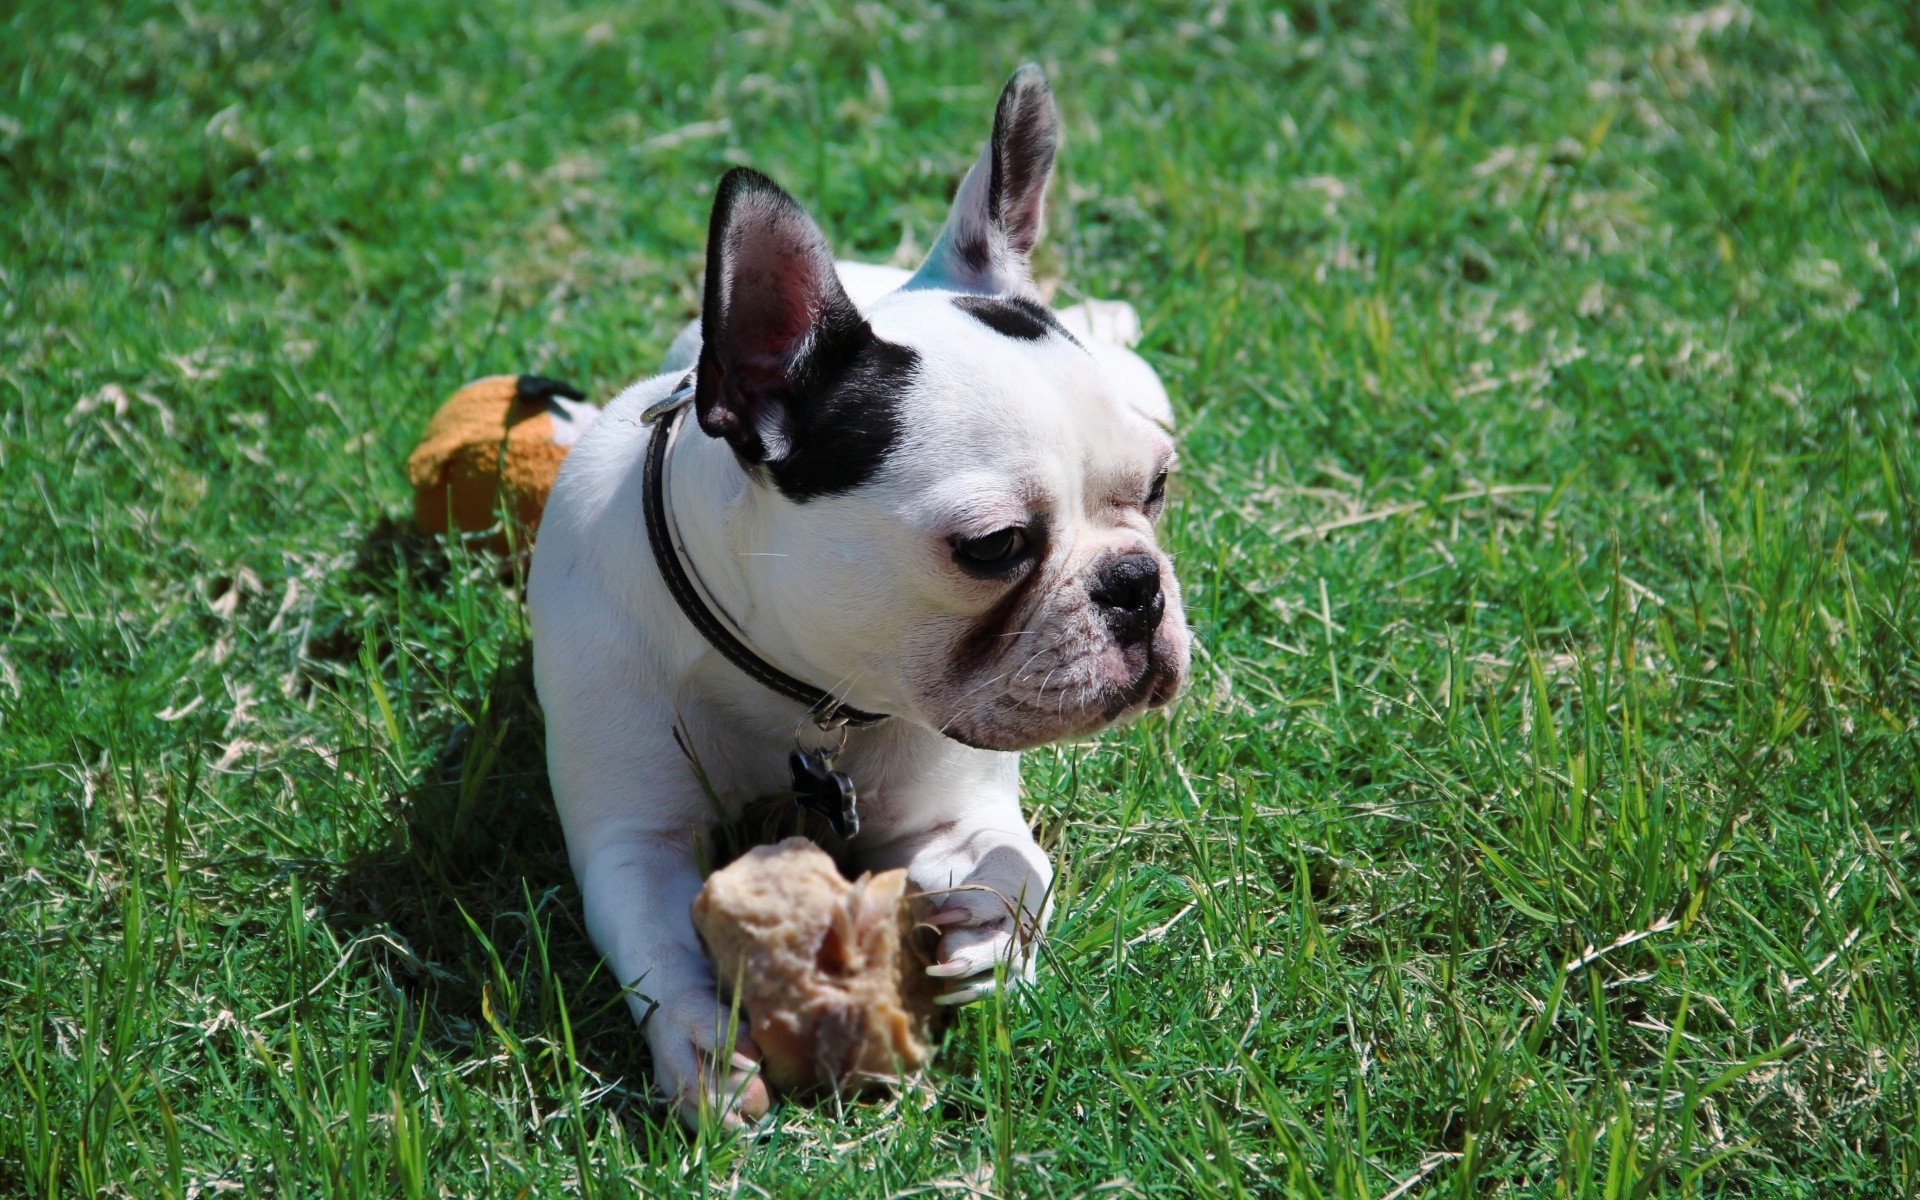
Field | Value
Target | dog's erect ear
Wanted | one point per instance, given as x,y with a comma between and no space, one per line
775,324
1001,204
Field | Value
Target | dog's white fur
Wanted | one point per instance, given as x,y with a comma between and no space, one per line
855,592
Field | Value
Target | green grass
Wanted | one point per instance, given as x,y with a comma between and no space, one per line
1543,817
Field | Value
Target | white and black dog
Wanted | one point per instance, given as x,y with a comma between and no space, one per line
910,534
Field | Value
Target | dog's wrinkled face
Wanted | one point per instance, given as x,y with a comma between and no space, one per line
963,499
1026,493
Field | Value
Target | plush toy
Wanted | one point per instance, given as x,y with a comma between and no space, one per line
829,980
498,438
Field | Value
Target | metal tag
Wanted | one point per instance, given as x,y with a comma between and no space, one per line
820,789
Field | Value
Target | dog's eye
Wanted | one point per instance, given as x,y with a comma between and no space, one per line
1157,493
995,551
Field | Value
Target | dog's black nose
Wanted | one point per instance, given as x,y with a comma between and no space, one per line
1128,593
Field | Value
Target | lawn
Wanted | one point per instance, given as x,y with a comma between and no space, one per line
1544,817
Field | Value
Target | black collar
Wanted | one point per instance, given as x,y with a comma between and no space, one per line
826,711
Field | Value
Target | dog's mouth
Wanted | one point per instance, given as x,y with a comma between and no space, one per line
1156,685
1166,685
1023,722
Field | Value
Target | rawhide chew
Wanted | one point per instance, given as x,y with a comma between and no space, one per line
825,971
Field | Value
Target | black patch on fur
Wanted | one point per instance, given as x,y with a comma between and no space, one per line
995,631
847,424
976,254
1014,316
837,406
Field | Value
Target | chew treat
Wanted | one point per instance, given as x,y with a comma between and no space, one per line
825,970
505,434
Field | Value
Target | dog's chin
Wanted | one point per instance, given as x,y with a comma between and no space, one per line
1022,724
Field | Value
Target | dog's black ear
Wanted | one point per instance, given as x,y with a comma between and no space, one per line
1001,205
775,324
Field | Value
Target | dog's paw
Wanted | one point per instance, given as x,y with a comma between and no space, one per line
701,1072
981,929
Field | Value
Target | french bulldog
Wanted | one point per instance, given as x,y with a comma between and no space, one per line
928,498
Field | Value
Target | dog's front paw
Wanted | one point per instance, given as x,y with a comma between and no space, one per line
700,1070
981,928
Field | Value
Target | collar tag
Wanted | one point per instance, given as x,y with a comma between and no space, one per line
825,792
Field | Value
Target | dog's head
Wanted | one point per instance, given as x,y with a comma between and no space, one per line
961,498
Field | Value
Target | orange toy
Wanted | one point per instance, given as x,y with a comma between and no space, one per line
502,437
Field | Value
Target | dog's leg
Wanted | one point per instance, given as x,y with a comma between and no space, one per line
638,885
995,914
632,807
988,888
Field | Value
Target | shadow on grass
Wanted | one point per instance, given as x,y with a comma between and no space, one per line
467,905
